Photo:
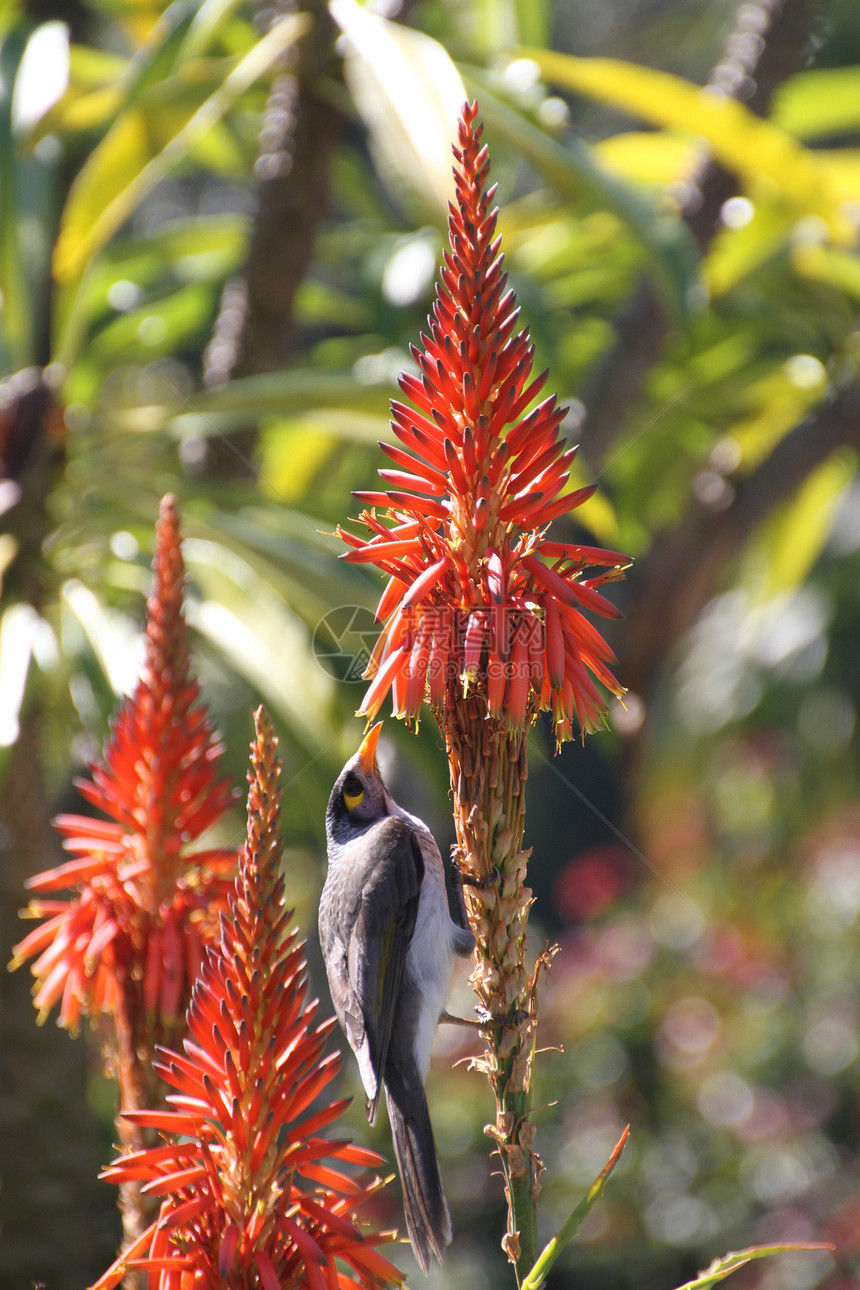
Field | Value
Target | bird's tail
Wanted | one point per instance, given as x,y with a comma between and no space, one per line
427,1219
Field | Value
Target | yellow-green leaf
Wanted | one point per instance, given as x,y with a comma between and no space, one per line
756,149
796,535
843,168
410,94
123,170
655,158
294,450
737,252
598,516
572,168
814,104
114,165
780,399
825,264
729,1263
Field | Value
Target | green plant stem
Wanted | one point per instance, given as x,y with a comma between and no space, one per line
536,1277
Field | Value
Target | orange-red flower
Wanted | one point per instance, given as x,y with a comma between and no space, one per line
132,938
253,1195
477,595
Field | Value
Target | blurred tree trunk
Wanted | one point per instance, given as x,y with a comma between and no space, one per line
49,1146
301,127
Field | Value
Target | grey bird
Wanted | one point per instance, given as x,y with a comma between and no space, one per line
388,939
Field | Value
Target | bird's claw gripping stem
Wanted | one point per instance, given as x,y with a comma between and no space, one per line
487,1021
461,878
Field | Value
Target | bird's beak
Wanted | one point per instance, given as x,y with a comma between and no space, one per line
367,751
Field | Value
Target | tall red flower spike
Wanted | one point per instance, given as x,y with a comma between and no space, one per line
131,940
477,595
247,1196
485,617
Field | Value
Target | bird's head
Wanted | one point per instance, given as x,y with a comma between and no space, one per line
359,797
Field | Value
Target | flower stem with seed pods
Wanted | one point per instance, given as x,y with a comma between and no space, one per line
484,618
489,769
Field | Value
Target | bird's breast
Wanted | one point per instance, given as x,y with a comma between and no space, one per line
429,958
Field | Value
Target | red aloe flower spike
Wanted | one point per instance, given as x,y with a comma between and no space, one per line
130,940
483,478
461,533
244,1196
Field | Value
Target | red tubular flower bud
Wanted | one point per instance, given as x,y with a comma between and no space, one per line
437,667
417,670
373,552
470,397
415,390
458,475
435,479
499,464
520,437
550,511
371,497
536,639
554,643
519,683
470,462
516,510
390,598
549,579
500,415
423,585
418,502
481,513
488,376
497,680
532,470
531,391
474,644
584,554
400,479
381,683
227,1253
593,600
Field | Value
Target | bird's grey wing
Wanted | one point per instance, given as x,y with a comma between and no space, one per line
383,930
348,1010
337,917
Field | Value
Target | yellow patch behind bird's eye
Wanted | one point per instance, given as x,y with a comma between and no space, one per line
353,800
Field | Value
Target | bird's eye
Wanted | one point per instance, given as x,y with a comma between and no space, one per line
353,794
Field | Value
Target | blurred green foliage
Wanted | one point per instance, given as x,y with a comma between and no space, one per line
700,866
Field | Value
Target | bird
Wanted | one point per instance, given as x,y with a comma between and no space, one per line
387,939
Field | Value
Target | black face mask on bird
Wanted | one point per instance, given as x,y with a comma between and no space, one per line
359,797
388,940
